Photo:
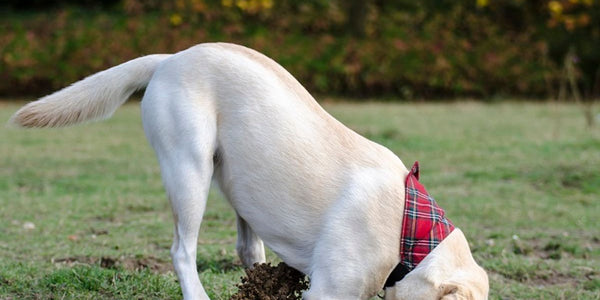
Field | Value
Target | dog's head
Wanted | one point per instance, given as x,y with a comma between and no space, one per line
448,272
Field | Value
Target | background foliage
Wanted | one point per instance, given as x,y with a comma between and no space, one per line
430,48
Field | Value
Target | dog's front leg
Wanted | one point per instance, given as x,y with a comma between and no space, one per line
358,244
249,247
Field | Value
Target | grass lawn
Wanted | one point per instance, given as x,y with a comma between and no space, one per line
83,213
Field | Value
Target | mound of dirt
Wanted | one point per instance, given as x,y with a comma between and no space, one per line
266,282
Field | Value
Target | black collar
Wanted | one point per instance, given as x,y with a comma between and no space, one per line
397,274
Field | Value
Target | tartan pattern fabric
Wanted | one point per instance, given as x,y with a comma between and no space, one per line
424,225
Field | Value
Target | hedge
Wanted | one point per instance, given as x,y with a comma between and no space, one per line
402,52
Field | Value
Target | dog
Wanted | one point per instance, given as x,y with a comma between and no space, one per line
326,200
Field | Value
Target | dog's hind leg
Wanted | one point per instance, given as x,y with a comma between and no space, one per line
250,247
187,189
183,135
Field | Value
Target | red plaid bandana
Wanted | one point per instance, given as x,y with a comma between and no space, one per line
424,225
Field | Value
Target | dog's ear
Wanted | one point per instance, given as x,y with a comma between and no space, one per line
455,291
416,288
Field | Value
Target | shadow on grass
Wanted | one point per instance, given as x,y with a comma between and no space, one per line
222,264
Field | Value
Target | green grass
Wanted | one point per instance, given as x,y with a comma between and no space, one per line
521,180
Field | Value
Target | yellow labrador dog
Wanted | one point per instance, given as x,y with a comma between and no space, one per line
326,200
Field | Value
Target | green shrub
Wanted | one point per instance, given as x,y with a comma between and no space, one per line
404,51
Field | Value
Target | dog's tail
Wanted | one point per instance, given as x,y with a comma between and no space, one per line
93,98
